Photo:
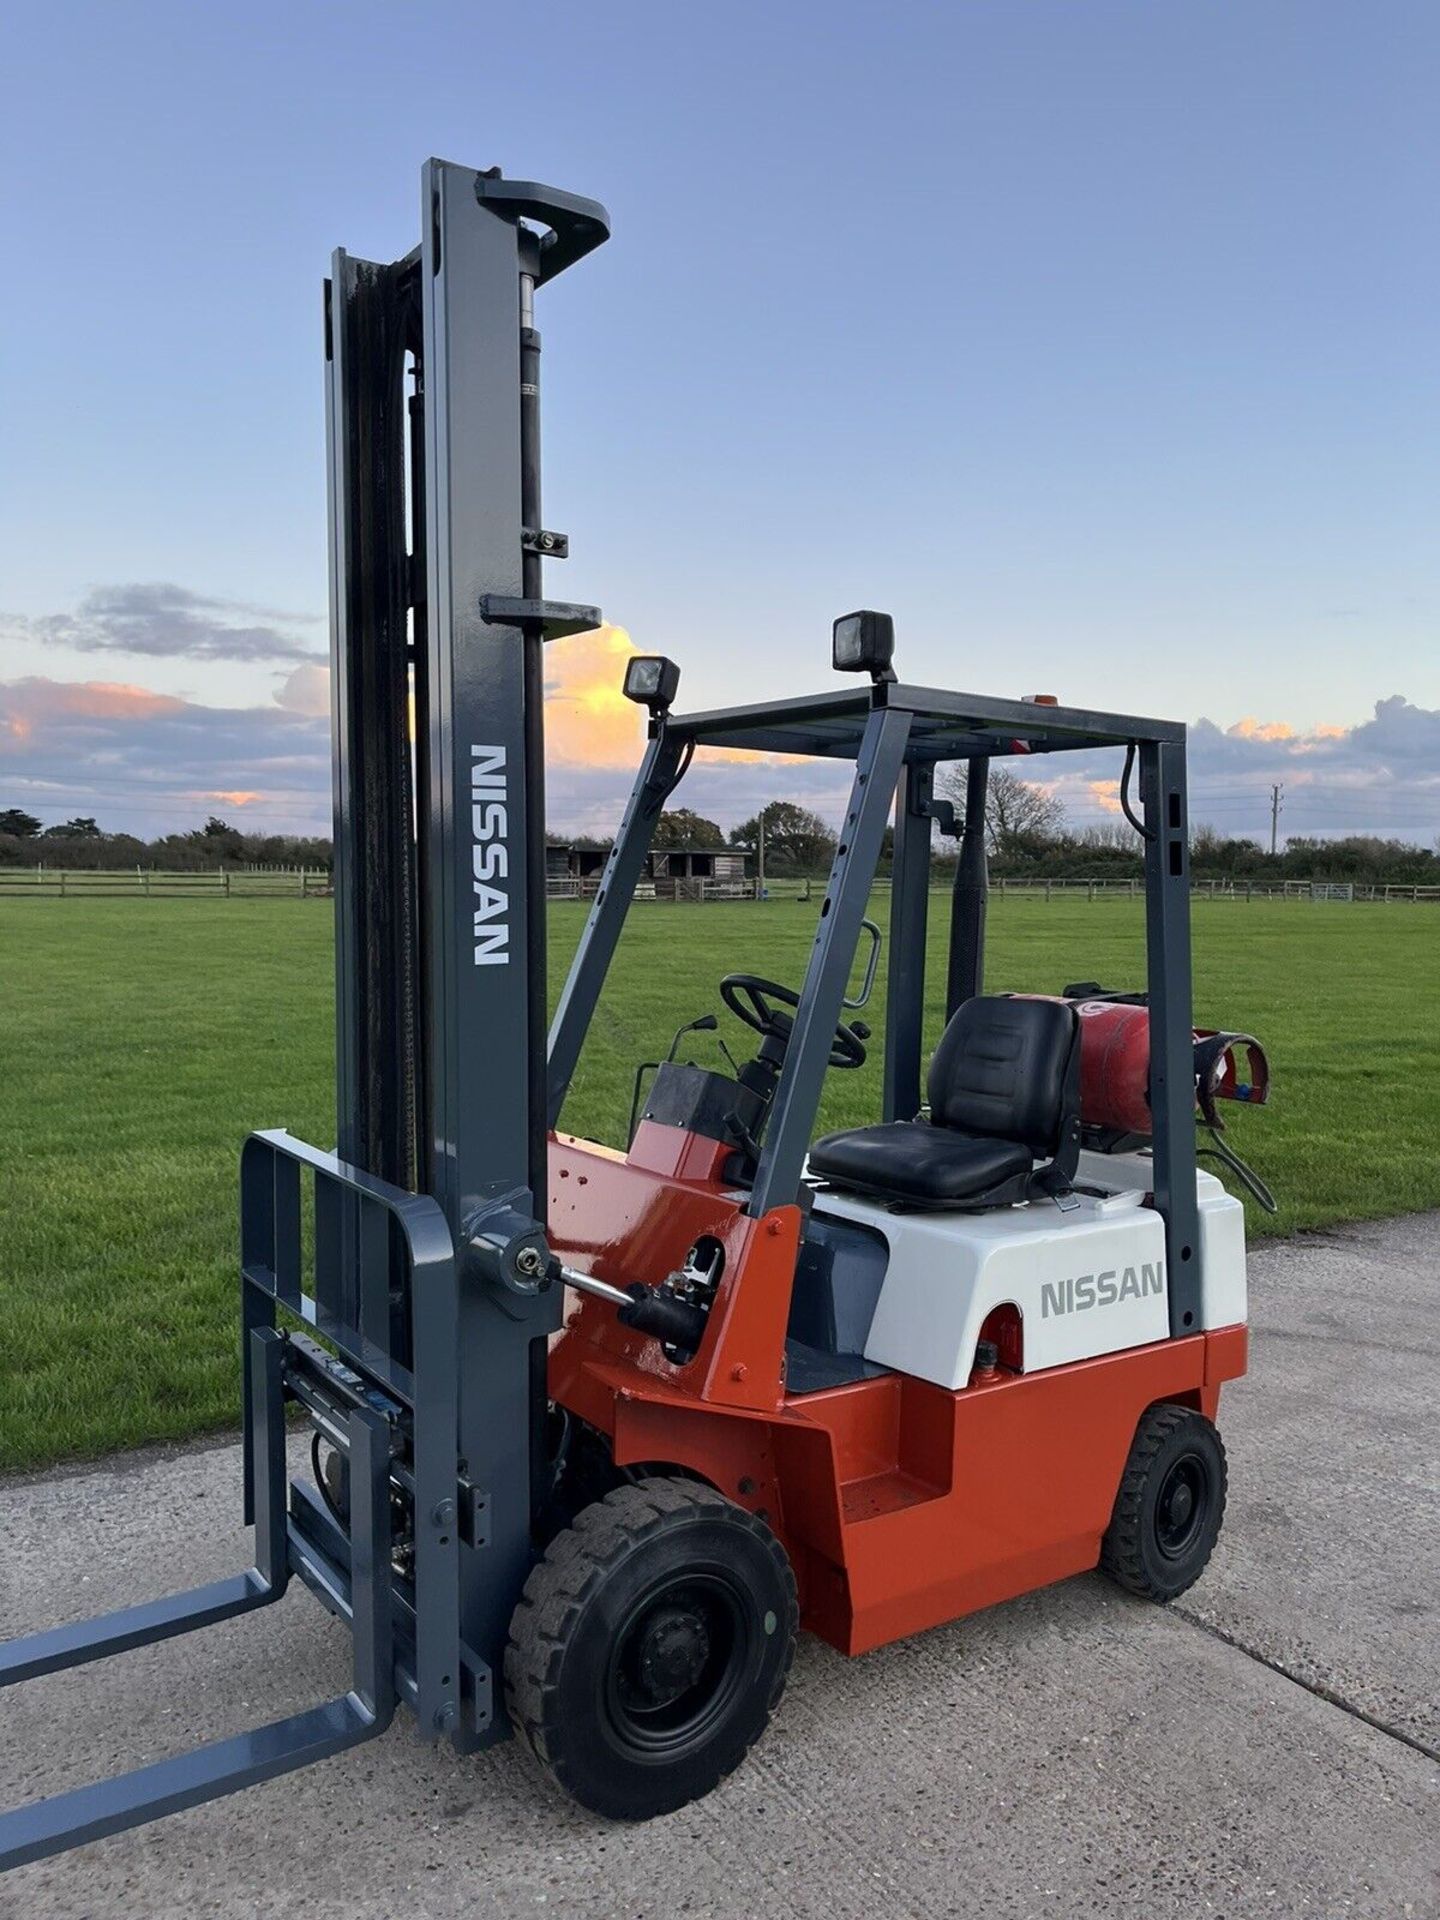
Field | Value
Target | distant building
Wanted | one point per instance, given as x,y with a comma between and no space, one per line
668,870
574,863
699,863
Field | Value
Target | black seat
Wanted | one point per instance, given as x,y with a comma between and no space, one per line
1004,1092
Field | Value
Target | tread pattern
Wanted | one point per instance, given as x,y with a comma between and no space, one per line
1120,1550
577,1562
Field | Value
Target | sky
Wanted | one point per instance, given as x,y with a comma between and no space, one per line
1092,339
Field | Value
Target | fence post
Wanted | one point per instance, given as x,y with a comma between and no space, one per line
62,883
225,882
1047,888
1090,890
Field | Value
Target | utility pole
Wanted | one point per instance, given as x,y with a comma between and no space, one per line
1277,794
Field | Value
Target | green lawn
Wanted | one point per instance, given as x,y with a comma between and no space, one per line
142,1040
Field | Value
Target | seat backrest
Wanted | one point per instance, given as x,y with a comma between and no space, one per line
1004,1069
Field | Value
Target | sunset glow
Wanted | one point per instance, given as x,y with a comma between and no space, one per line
1105,794
588,720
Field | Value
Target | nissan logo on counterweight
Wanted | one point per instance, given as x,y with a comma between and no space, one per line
1101,1289
490,855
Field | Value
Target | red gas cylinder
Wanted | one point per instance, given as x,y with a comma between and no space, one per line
1115,1066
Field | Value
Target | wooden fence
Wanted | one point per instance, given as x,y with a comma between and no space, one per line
215,883
295,883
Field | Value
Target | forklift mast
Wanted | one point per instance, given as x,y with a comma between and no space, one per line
420,1258
438,632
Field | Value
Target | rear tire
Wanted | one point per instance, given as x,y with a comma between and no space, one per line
1170,1504
650,1646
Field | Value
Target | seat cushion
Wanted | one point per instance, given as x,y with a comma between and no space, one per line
1000,1070
908,1160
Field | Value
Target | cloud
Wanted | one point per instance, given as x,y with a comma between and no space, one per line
157,619
588,720
728,790
81,700
1106,795
151,763
306,690
1379,777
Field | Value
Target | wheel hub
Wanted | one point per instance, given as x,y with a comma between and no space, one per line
1180,1506
674,1645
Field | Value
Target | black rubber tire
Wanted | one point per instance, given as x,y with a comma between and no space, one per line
1176,1466
649,1555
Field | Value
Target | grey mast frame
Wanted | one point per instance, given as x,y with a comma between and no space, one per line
483,823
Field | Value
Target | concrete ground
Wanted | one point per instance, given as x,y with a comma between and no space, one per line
1270,1746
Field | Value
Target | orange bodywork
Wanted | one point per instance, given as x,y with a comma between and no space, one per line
900,1503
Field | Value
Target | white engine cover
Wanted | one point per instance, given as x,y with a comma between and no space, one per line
1086,1281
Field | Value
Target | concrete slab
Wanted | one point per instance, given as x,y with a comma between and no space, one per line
1331,1561
1075,1752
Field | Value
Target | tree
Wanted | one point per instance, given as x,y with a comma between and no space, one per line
21,825
219,840
1020,818
82,827
796,840
685,828
1214,853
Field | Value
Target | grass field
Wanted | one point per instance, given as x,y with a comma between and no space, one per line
142,1040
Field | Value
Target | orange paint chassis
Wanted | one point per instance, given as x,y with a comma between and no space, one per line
901,1504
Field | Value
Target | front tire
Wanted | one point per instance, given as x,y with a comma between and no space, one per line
650,1646
1170,1504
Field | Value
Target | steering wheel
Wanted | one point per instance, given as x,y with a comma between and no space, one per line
749,998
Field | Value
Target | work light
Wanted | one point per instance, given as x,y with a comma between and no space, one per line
652,681
864,643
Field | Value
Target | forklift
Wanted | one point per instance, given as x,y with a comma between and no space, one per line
595,1432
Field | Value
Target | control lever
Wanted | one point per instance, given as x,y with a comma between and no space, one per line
707,1023
736,1128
